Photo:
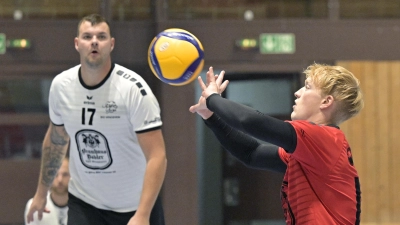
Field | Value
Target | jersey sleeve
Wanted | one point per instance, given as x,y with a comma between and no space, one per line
144,108
55,116
253,122
319,146
283,155
245,148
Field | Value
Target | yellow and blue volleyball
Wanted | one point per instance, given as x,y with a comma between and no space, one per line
176,56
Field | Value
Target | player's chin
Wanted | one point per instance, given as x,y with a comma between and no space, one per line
297,113
293,115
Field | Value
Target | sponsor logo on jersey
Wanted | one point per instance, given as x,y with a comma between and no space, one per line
93,149
91,141
110,107
89,102
157,119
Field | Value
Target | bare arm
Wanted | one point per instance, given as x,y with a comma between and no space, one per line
55,145
153,146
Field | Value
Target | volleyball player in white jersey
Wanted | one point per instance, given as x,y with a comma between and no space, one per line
117,153
57,199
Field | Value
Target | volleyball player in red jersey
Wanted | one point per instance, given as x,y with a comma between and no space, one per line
321,184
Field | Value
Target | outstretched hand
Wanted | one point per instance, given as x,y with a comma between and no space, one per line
213,85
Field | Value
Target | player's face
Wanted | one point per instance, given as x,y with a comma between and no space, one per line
60,183
94,43
307,103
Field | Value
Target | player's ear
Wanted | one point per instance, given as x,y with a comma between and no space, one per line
327,101
76,44
112,43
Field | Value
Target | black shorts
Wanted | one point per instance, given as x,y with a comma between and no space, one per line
82,213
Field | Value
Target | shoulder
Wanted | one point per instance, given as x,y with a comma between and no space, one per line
126,80
126,76
303,124
306,124
308,129
67,76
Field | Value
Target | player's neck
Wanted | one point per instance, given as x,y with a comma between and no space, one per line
92,76
60,200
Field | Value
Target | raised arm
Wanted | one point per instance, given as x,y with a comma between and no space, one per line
253,122
246,149
241,117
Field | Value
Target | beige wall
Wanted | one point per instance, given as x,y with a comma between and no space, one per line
374,139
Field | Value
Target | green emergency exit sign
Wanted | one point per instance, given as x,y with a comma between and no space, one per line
2,43
277,43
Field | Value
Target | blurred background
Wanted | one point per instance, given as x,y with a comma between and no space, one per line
264,45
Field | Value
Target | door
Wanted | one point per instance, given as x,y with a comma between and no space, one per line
252,196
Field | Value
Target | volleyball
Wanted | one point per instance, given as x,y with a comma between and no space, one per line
176,56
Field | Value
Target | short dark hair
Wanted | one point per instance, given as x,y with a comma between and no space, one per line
93,19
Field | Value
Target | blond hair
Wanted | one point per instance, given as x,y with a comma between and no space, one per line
342,85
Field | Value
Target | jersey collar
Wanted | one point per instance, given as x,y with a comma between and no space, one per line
98,85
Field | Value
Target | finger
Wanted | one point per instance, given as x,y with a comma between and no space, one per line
207,79
211,70
193,108
220,78
210,75
216,80
202,85
223,86
29,217
40,215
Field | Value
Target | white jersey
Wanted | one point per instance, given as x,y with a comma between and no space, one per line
107,164
58,214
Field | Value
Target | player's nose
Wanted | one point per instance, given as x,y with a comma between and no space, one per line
94,41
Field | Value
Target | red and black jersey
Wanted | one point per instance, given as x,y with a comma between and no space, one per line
321,185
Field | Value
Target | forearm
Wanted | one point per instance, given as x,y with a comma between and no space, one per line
152,144
153,180
253,122
54,148
245,148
